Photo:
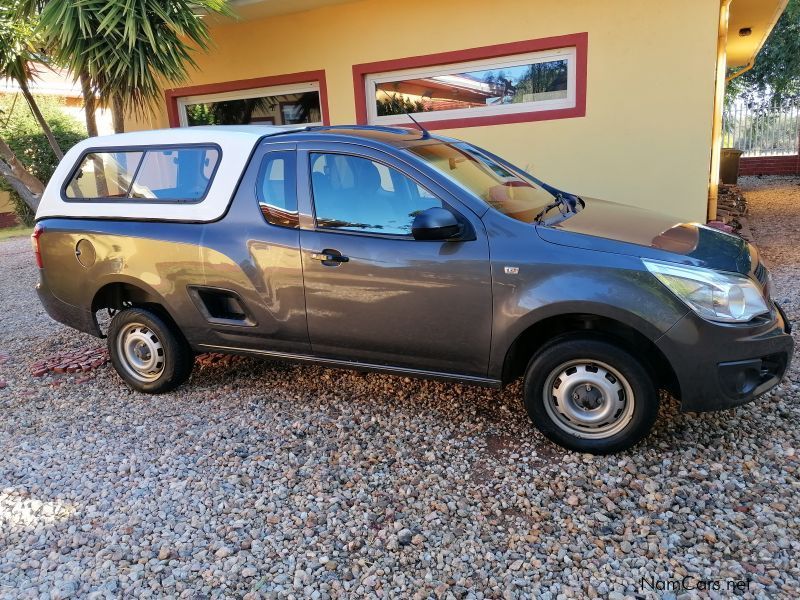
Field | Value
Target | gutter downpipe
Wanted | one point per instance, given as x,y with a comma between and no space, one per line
719,101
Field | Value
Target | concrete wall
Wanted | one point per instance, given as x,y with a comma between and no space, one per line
646,136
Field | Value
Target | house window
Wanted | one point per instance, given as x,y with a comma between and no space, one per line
275,105
531,80
513,84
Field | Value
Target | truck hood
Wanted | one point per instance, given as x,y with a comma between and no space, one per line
611,227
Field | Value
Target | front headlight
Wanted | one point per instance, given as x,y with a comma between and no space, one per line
713,295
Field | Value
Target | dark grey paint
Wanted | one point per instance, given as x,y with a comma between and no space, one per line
382,305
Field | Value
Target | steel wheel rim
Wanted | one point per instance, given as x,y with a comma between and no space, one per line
141,352
588,399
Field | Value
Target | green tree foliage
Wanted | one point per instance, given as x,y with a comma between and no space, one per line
775,77
201,114
398,104
19,50
240,112
22,133
541,78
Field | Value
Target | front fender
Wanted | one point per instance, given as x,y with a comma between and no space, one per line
628,294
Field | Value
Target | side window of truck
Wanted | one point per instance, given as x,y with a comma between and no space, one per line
175,174
104,175
179,174
276,189
353,193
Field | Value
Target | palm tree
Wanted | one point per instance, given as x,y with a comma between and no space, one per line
29,9
122,51
127,50
18,54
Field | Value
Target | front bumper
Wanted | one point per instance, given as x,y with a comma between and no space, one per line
719,366
73,316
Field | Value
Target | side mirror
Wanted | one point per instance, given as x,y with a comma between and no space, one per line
435,224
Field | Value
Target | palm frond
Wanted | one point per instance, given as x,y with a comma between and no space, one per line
18,46
128,48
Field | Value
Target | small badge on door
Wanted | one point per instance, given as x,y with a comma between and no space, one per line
511,270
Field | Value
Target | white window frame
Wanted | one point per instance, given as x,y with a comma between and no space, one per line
275,90
371,81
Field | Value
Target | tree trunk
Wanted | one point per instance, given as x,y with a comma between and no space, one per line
28,187
117,114
89,105
23,86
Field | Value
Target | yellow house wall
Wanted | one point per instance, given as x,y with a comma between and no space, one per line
646,136
6,206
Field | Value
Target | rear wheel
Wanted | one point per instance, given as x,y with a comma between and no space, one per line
590,395
147,353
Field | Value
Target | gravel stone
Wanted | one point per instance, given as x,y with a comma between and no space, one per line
405,536
260,479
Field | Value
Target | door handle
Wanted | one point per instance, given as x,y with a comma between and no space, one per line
330,257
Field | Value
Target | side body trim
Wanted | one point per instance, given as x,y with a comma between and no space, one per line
359,366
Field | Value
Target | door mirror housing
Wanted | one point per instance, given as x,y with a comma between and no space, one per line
435,224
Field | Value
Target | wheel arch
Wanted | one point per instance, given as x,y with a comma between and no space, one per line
124,292
540,332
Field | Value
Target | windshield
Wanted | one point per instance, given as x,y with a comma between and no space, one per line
516,195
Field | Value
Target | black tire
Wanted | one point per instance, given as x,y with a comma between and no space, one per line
590,379
147,353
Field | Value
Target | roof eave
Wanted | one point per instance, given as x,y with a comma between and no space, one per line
759,15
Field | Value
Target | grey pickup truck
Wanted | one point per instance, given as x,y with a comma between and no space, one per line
398,251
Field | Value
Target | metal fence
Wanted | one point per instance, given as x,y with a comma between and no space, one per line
772,131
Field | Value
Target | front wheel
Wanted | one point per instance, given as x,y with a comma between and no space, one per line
590,395
147,353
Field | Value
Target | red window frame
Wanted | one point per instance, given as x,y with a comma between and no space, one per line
171,95
579,41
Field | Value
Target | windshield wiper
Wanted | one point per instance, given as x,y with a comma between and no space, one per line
560,202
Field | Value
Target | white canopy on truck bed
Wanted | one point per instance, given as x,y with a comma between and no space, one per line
235,142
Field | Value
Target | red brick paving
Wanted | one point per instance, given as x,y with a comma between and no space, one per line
77,361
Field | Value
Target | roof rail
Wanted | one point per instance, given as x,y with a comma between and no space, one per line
396,130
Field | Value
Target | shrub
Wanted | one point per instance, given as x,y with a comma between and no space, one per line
397,104
22,133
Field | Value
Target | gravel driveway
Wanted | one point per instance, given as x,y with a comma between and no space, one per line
261,479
